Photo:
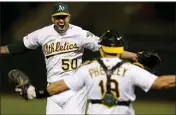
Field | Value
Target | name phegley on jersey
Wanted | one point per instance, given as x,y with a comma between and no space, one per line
122,81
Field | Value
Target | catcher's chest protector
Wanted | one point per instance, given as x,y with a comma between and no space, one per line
109,98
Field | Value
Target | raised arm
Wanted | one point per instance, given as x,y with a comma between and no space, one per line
30,41
90,41
14,48
164,82
129,55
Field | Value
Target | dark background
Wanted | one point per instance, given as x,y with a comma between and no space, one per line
144,26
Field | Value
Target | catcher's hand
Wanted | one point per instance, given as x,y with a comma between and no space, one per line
150,59
22,84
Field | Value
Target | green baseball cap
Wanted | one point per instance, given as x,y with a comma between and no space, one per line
60,9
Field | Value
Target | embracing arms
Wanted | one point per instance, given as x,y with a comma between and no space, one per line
22,84
164,82
161,82
129,55
57,87
147,80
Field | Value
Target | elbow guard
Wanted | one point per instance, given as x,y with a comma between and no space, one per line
17,47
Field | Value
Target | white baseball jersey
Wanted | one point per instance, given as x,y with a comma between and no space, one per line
123,81
63,52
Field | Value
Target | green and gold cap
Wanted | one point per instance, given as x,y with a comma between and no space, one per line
60,9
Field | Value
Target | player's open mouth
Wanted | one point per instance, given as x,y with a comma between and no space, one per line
61,26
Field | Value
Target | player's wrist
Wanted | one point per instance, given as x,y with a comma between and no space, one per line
4,50
42,93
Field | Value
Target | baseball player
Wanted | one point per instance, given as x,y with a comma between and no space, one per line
63,46
109,81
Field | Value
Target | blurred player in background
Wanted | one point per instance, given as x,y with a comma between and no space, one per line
63,46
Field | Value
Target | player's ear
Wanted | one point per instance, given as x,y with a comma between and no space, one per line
70,18
52,18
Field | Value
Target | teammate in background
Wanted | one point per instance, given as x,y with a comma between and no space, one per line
63,46
110,81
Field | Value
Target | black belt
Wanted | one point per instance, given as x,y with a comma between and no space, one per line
122,103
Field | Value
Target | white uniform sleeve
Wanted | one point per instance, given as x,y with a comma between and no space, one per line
78,80
31,40
90,41
141,77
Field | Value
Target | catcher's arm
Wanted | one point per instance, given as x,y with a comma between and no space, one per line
164,81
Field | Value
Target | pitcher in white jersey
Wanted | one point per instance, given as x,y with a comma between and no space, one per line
63,46
110,85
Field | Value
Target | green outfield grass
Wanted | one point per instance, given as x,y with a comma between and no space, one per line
15,105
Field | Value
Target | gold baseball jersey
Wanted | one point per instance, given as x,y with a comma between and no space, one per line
63,52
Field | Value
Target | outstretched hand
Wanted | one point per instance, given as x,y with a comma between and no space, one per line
22,84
